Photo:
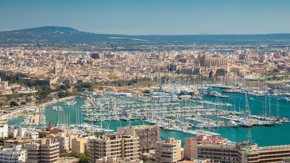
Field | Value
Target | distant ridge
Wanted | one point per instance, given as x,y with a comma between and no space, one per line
67,35
47,29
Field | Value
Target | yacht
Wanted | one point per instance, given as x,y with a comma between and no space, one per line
284,99
59,108
245,124
196,98
54,108
232,124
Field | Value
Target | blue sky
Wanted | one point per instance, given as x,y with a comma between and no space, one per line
139,17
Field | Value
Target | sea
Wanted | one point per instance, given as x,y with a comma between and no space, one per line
263,136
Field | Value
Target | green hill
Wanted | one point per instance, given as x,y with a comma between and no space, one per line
52,34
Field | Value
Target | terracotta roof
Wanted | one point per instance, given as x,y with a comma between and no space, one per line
51,131
9,141
51,125
25,140
208,139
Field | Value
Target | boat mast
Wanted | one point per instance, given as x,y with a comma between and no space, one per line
277,108
265,106
269,106
101,118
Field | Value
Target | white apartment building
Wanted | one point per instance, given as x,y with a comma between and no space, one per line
13,155
3,128
23,132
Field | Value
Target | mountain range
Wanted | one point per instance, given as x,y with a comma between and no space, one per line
52,34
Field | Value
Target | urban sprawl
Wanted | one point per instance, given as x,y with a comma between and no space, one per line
165,90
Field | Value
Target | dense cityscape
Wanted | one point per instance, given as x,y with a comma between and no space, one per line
144,81
149,93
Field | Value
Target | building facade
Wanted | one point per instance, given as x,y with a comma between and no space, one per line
121,146
64,139
263,154
148,135
3,128
13,155
222,151
168,150
42,150
78,146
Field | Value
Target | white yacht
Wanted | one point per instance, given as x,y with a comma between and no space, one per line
232,124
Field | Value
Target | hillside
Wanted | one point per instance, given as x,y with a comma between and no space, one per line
52,34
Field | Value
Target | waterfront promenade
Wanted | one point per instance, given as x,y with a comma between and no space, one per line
34,115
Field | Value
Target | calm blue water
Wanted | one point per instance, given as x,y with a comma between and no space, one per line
264,136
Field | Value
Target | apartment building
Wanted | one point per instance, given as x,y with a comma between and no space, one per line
222,151
13,155
191,145
17,141
168,150
3,128
23,132
42,150
78,145
148,135
263,154
121,146
64,138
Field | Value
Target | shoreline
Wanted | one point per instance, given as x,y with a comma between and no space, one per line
56,101
20,112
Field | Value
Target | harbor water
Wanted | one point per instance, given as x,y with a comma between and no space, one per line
262,135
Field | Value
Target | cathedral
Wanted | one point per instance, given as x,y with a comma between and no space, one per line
206,64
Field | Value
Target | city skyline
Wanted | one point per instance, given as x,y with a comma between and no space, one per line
150,17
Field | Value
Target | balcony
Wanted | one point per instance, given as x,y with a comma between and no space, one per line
50,159
130,149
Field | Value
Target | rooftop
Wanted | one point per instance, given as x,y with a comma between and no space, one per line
114,137
208,139
141,127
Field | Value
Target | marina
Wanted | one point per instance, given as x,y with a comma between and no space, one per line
235,117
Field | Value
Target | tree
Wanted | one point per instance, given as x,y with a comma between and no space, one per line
31,83
99,133
13,103
41,135
79,81
64,87
61,94
210,74
63,152
84,159
29,100
69,93
9,136
44,91
144,158
87,152
23,103
220,72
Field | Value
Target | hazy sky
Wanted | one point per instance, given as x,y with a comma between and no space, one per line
150,16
